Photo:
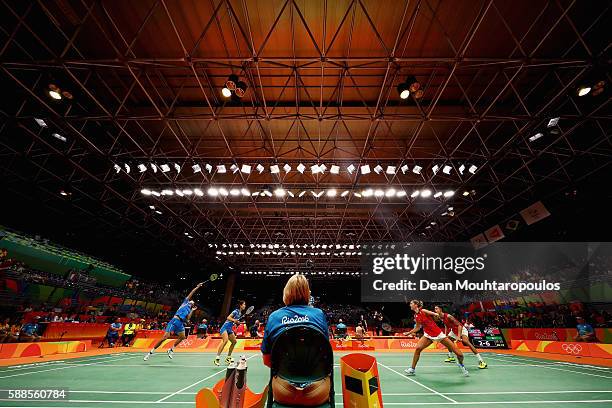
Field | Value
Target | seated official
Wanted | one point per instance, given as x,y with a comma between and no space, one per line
254,329
112,335
297,312
29,331
341,330
203,329
359,332
129,331
585,331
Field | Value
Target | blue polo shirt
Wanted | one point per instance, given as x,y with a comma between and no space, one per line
288,316
114,326
184,310
584,329
30,329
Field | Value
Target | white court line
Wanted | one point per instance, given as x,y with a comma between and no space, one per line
556,362
61,368
14,368
195,383
552,368
418,383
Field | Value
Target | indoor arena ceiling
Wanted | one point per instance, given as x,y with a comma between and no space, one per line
140,83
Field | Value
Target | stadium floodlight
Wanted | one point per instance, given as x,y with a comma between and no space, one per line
466,193
301,168
390,192
164,168
153,167
317,195
401,193
223,191
155,193
552,122
235,192
287,168
213,192
379,193
188,192
255,194
177,167
198,192
435,169
245,192
234,168
127,168
158,212
391,170
417,169
196,168
117,168
415,194
461,169
179,193
145,191
208,168
59,137
322,168
331,192
350,169
446,169
378,169
274,169
279,192
368,193
221,168
344,193
438,194
405,168
167,192
301,193
142,168
267,193
473,169
260,168
425,193
449,193
290,193
365,169
246,169
41,122
536,136
334,169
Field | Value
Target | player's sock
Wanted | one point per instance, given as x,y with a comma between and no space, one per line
479,357
464,370
450,355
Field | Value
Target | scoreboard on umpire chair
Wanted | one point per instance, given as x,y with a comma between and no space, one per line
489,337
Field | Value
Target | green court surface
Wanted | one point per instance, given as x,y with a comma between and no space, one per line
125,380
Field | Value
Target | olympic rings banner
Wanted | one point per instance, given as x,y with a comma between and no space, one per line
565,348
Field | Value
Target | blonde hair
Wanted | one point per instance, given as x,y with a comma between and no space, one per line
419,303
297,291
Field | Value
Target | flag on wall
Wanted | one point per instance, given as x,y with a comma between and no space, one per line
479,241
494,233
534,213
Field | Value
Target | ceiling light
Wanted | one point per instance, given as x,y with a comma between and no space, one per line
301,168
208,168
226,92
368,193
155,193
379,193
290,194
287,168
403,91
449,193
334,169
167,192
435,169
417,169
390,192
378,169
179,193
401,193
267,192
260,168
415,193
279,192
223,191
55,93
438,194
198,192
553,122
127,168
234,168
58,137
322,168
473,169
246,169
41,122
145,191
274,169
235,192
425,193
164,168
356,194
245,192
301,194
117,168
177,167
461,169
221,168
344,193
583,90
188,192
365,169
331,192
241,88
158,212
466,193
350,169
405,168
213,192
391,170
536,137
317,195
152,207
255,194
446,169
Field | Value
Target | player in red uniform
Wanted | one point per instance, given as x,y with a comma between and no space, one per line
454,330
431,332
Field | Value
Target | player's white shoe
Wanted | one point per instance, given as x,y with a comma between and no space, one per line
217,361
410,372
170,354
147,356
466,373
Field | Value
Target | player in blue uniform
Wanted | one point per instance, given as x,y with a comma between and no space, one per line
227,333
176,324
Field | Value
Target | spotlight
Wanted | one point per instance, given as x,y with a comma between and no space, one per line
198,192
65,193
127,168
213,192
274,169
164,168
230,85
405,168
334,169
41,122
301,168
435,169
117,168
221,168
245,192
413,84
403,91
583,90
401,193
378,169
177,167
260,168
461,169
179,193
438,194
301,194
331,192
55,93
390,192
466,193
241,88
368,193
226,92
365,169
417,169
473,169
598,88
379,193
167,192
223,191
391,170
425,193
208,168
446,169
279,192
449,193
350,169
536,137
234,192
187,192
344,193
142,168
552,122
287,168
290,194
234,168
59,137
155,193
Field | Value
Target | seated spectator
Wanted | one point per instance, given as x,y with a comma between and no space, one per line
203,329
585,331
6,335
29,331
112,335
129,331
359,332
297,312
254,329
341,330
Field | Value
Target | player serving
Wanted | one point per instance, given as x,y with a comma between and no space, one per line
456,331
227,332
177,324
431,332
